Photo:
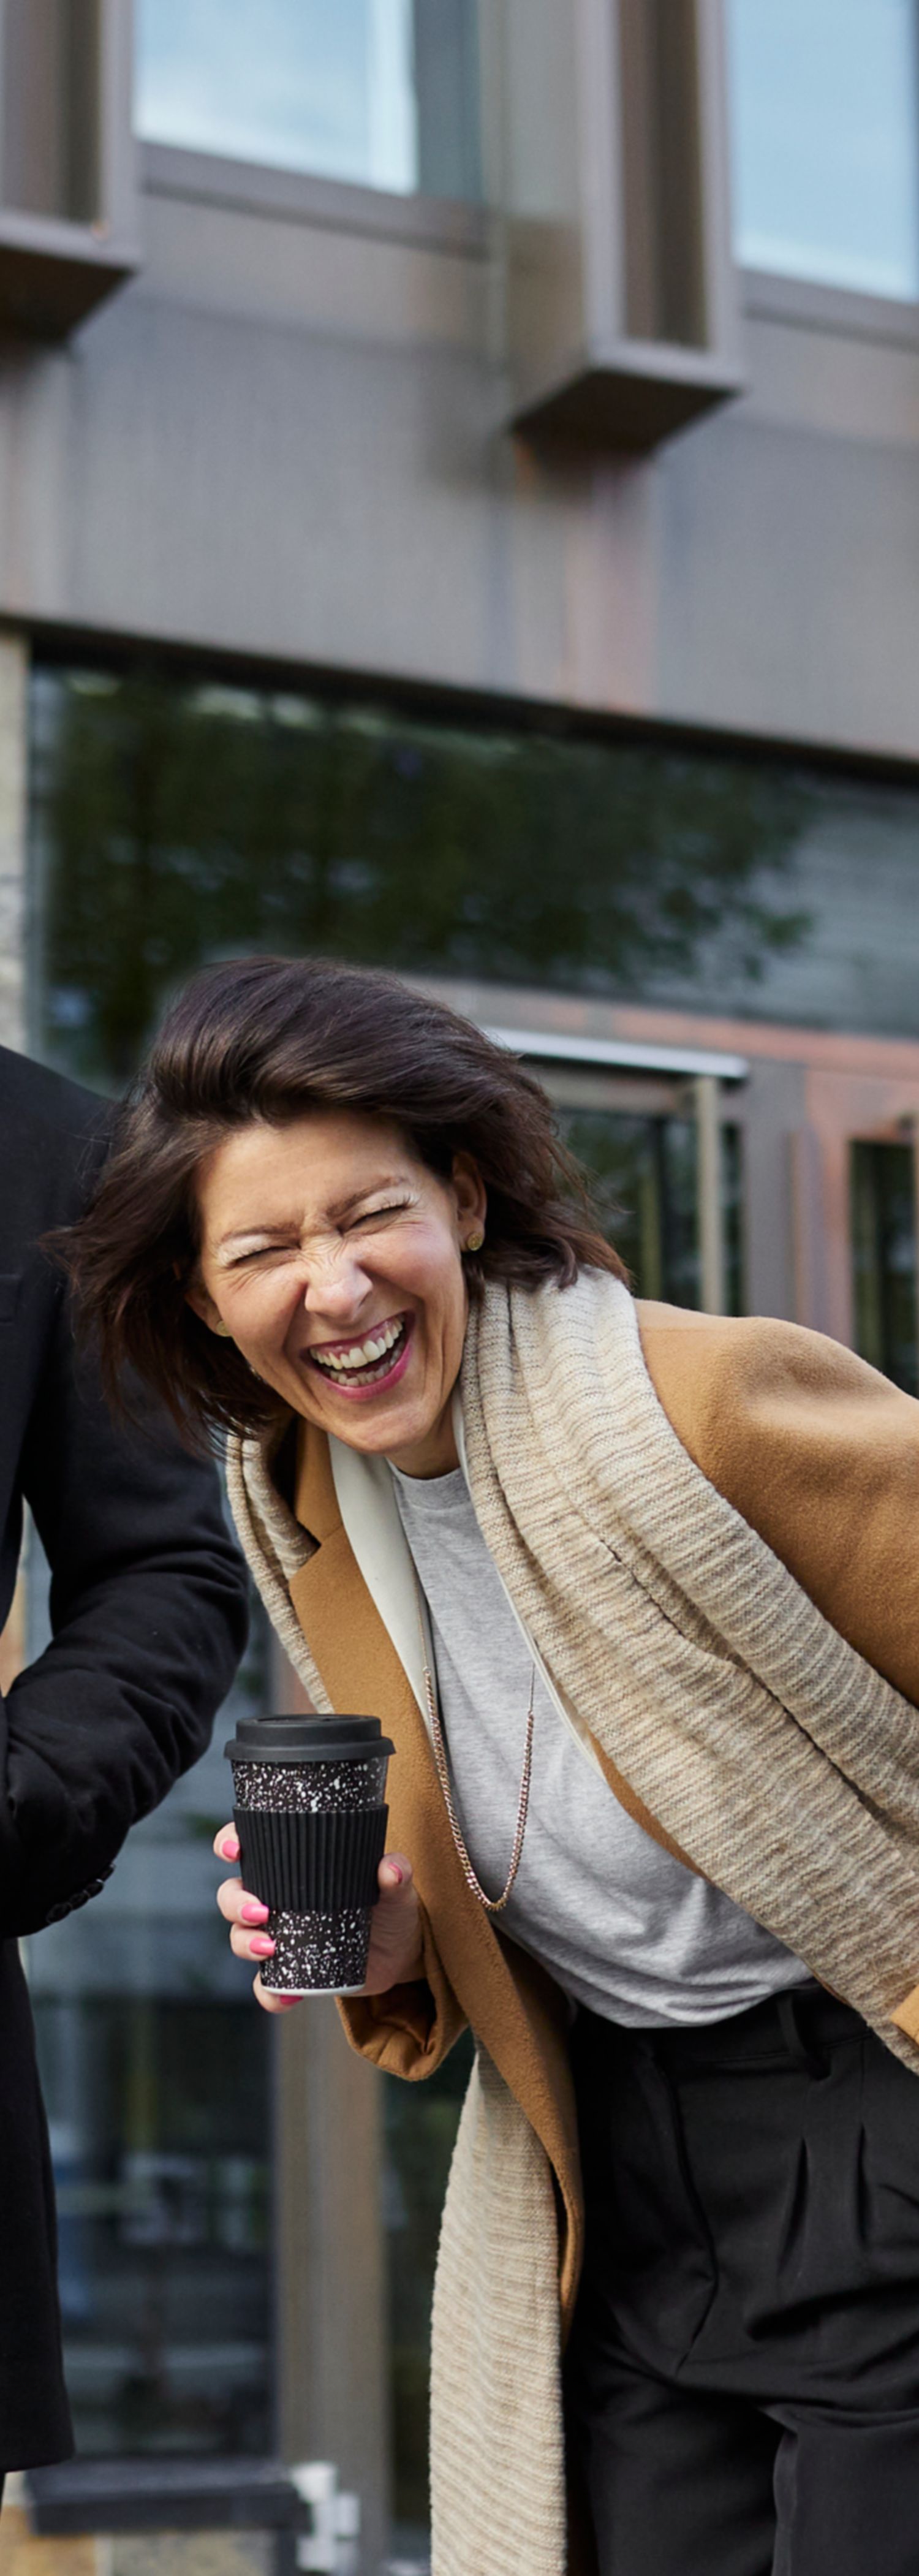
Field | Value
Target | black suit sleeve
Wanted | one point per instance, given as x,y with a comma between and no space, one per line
148,1615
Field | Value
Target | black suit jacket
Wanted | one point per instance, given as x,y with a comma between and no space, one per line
148,1621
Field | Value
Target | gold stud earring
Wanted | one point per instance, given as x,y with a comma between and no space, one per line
475,1240
223,1330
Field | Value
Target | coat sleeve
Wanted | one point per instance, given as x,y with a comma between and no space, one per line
818,1452
148,1617
409,2030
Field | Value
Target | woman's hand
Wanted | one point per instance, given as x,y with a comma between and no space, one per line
395,1955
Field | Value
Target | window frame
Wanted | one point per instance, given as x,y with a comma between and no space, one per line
809,305
297,197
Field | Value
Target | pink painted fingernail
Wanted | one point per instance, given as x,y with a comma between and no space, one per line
229,1849
394,1872
260,1946
253,1912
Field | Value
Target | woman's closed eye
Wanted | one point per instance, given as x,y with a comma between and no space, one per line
263,1252
260,1252
370,1216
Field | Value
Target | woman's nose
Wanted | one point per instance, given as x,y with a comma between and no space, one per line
338,1288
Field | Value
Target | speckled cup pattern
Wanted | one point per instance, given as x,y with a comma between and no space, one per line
314,1953
311,1786
324,1953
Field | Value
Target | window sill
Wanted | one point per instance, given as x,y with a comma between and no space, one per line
630,395
293,196
808,306
53,272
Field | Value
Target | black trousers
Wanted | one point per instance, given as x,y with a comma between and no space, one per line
742,2385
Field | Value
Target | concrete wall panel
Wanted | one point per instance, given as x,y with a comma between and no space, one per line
788,595
286,440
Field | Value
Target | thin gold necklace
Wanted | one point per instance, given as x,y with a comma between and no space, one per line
492,1904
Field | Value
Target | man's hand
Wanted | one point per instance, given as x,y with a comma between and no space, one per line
395,1955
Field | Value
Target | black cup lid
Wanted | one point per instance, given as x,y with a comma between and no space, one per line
308,1739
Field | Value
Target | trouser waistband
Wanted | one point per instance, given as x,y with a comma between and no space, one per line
788,2026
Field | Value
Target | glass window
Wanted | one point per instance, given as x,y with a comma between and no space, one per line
156,2075
175,821
646,1171
884,1250
825,108
383,92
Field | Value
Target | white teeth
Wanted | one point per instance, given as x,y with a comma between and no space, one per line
362,1354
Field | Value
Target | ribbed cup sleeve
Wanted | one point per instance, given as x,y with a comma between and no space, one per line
312,1864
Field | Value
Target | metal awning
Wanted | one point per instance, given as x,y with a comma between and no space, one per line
622,1055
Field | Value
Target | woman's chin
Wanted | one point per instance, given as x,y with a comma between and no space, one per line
385,1429
378,1420
394,1418
403,1431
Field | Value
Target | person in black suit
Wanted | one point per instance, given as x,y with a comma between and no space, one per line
148,1619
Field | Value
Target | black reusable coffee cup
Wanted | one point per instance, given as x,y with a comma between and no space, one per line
311,1817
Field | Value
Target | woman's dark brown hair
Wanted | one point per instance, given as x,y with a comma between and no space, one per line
274,1038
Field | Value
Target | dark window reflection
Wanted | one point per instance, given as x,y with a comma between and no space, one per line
645,1172
732,1186
175,822
644,1175
157,2122
884,1249
157,2077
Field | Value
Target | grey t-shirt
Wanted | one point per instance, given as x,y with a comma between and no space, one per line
623,1927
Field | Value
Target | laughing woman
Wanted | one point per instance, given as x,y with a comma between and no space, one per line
634,1591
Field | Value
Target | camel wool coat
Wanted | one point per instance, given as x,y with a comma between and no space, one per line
710,1529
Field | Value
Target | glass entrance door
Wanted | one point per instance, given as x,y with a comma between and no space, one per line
663,1153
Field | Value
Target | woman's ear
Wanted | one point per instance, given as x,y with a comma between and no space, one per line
470,1194
203,1306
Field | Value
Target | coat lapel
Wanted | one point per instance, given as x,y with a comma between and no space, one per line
512,2006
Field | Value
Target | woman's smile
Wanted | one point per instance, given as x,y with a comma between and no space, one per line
358,1369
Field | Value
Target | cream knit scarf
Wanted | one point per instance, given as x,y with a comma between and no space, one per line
778,1759
783,1765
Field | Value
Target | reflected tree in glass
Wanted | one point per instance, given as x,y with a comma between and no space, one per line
177,823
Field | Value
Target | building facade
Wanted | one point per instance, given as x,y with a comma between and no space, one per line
458,511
